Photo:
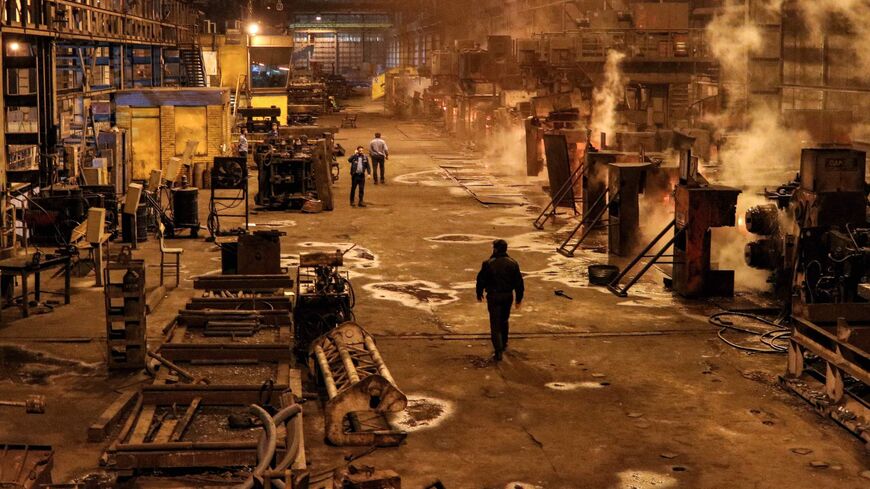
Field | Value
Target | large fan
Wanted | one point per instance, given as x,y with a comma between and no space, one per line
229,173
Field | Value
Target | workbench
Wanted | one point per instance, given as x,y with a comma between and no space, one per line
24,266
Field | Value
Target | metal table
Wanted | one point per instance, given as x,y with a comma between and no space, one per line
24,266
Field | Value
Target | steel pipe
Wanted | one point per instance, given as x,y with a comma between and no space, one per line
323,363
379,360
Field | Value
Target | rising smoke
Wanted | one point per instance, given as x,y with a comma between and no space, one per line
505,152
607,96
821,17
759,149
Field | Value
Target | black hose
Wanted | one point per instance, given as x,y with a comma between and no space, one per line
770,338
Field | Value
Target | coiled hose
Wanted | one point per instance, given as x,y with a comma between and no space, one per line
771,338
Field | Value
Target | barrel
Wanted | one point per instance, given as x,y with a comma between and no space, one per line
141,225
185,207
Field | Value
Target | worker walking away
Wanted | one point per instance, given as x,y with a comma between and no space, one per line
243,144
500,277
380,153
359,166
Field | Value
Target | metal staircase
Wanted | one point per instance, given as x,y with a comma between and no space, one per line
193,68
590,221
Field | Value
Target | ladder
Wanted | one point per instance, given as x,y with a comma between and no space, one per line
242,88
563,191
622,290
590,220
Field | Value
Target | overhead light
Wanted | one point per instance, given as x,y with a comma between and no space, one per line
318,18
253,29
283,68
14,46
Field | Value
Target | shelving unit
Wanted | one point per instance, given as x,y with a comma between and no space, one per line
124,289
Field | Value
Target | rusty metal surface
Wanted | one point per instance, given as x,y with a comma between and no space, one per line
265,303
255,283
357,381
844,346
25,466
148,440
698,210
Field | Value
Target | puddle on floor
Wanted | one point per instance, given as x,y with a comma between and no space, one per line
423,413
285,223
531,242
571,386
462,238
572,272
470,285
426,178
517,216
418,294
644,479
22,366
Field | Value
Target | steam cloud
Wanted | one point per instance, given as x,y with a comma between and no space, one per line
818,15
606,97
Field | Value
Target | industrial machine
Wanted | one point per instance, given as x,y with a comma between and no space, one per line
698,207
816,243
229,190
814,231
52,215
293,171
324,296
617,189
302,115
259,119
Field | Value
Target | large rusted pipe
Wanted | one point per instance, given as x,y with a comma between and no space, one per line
325,371
347,361
379,360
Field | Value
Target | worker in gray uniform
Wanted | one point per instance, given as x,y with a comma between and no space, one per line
501,279
380,153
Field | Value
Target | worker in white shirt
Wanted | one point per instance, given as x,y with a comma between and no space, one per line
243,144
380,152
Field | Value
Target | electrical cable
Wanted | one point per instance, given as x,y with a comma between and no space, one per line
771,338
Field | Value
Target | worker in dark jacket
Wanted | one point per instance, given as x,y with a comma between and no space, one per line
500,277
359,167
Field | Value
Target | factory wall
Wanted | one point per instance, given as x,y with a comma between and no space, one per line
232,56
160,132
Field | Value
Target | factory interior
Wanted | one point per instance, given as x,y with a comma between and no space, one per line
273,236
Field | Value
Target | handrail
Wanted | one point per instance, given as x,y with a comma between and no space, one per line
560,194
622,291
600,209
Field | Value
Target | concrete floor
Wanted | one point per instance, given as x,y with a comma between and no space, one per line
595,392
